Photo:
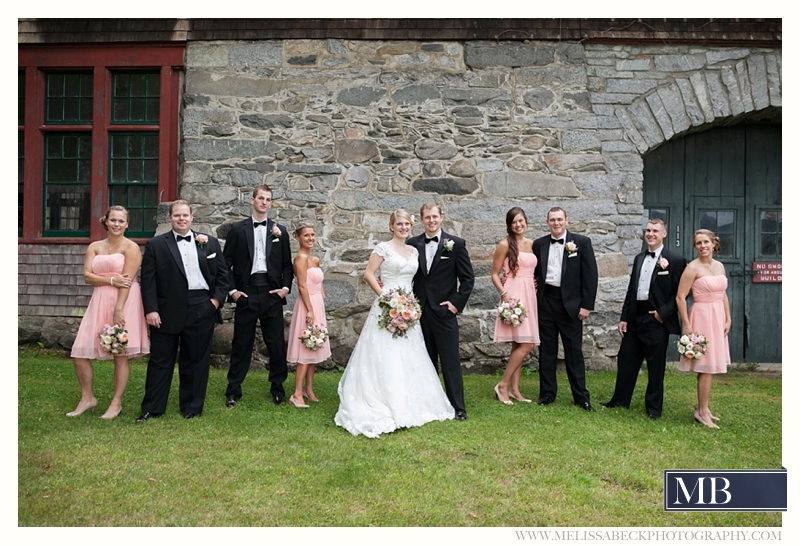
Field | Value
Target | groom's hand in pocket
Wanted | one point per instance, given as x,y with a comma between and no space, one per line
450,306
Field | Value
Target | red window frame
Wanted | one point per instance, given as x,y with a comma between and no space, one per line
102,60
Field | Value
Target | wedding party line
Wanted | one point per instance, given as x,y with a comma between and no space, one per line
546,288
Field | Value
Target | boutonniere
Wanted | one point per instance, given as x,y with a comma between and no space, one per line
448,245
663,264
571,248
201,240
276,232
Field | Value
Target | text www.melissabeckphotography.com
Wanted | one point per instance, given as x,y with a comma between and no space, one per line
648,535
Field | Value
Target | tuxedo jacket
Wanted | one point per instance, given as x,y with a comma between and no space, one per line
578,272
663,289
450,278
165,288
239,253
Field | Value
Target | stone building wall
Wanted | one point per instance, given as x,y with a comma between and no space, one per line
347,131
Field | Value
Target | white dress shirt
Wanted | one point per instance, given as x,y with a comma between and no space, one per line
646,273
431,248
260,249
554,260
188,250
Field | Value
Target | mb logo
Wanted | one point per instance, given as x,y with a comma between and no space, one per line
725,490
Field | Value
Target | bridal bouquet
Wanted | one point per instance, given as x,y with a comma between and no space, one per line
512,312
314,337
399,311
113,339
693,346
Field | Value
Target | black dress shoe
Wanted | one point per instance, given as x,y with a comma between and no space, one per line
278,398
461,415
188,415
610,405
586,406
146,416
230,401
546,400
653,415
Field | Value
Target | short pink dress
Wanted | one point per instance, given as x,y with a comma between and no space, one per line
707,317
520,287
297,351
100,312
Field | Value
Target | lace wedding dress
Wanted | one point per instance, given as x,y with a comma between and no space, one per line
390,383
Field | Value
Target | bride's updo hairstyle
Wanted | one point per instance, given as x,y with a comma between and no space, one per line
400,213
711,236
302,225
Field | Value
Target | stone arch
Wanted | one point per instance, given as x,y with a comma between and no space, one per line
705,89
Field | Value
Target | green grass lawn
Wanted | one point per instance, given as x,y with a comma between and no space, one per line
265,465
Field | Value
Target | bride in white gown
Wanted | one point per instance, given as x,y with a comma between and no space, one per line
390,382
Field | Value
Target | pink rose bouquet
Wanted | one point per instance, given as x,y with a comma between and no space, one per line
512,312
693,346
399,311
113,339
314,337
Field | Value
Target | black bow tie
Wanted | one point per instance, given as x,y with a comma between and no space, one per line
432,239
187,238
651,254
556,241
257,223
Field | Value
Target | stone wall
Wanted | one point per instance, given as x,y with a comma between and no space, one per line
347,131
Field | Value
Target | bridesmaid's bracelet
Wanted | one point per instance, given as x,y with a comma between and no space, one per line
503,294
111,281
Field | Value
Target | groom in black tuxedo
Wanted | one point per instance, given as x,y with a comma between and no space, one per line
443,284
258,252
566,287
648,316
184,282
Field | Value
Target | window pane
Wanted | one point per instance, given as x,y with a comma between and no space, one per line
708,220
725,221
771,237
67,208
134,178
726,242
68,98
136,97
67,174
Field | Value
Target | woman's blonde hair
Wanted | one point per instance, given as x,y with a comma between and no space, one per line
711,236
400,213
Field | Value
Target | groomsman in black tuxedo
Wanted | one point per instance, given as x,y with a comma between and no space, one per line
443,284
566,280
648,316
184,281
257,250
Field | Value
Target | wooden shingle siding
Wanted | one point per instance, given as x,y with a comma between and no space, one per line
766,32
50,280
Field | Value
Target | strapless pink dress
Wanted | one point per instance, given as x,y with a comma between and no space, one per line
296,351
520,287
707,316
101,312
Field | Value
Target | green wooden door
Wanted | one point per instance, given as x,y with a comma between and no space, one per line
728,180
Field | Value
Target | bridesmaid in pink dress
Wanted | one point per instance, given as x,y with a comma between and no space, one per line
309,310
710,315
514,257
110,266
